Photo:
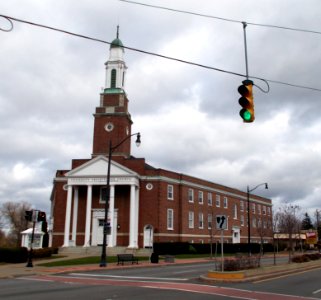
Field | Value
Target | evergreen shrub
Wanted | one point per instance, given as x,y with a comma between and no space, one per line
13,255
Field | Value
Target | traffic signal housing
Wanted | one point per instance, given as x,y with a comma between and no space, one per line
246,101
28,215
41,216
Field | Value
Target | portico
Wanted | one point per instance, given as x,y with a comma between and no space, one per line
92,175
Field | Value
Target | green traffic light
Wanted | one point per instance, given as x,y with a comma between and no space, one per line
246,115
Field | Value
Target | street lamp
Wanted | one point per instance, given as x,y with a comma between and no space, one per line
248,214
103,261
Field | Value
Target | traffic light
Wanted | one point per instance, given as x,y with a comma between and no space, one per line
28,215
41,216
246,101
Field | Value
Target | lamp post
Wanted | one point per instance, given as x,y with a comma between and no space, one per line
248,214
103,261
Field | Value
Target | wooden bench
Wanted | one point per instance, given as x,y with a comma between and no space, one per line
126,257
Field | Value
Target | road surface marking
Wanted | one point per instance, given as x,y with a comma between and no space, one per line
128,277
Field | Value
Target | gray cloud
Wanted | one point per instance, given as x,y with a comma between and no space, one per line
50,85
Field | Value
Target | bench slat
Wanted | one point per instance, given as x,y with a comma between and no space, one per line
126,257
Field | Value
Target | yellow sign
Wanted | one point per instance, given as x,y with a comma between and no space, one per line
311,238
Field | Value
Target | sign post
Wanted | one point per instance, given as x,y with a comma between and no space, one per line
221,224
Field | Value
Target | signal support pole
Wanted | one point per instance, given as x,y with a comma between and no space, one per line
245,48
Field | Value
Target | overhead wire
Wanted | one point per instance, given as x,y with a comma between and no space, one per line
220,18
10,19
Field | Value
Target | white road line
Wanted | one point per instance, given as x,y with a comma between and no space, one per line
34,279
317,291
128,277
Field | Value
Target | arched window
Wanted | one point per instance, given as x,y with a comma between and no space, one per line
113,78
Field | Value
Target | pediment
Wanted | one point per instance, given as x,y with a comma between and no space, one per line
97,167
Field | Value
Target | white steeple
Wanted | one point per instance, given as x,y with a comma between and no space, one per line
115,67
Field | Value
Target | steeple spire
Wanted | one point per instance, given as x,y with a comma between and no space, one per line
117,35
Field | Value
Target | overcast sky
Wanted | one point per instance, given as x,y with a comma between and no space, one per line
188,116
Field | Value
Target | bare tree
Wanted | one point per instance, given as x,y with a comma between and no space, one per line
13,215
263,231
317,215
289,223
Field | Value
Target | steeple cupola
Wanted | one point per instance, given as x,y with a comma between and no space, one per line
115,67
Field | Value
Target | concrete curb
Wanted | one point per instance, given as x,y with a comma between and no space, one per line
260,274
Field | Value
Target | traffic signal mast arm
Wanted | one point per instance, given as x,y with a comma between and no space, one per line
247,101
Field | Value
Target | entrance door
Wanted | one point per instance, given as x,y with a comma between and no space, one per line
100,232
98,229
148,236
236,235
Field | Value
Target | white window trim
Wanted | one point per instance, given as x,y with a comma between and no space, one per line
242,220
200,220
209,221
190,193
235,212
200,197
218,201
101,200
191,220
170,194
209,199
241,205
170,211
225,202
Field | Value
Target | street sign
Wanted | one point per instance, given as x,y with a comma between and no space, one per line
221,222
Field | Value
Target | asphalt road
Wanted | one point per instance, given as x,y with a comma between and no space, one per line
170,281
305,283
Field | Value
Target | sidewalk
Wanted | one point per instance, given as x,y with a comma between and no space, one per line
20,270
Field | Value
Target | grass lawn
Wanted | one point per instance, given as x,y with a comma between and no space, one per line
82,261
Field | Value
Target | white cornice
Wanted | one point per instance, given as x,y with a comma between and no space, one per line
202,187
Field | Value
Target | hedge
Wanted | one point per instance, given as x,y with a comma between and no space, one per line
20,255
174,248
13,255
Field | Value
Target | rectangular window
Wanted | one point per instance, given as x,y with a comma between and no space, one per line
242,220
218,200
103,194
209,199
170,219
200,197
170,192
259,223
264,210
190,195
225,202
209,221
253,222
191,219
235,211
253,208
269,210
200,221
259,209
241,205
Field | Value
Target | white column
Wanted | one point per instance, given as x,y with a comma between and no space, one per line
67,218
88,216
111,215
75,216
137,216
132,218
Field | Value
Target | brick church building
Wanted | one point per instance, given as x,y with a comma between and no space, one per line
146,204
